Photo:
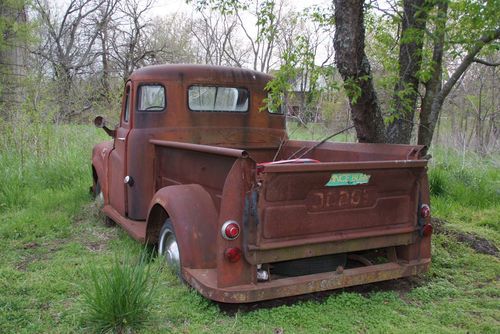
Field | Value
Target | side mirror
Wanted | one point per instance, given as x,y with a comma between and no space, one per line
100,122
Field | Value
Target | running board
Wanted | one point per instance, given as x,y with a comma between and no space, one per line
136,228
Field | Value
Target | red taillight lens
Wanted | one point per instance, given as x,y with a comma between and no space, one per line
230,230
233,254
425,211
427,230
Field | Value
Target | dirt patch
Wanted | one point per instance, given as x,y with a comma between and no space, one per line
477,243
29,259
94,230
30,245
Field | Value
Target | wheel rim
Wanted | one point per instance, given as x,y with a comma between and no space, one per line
168,248
100,199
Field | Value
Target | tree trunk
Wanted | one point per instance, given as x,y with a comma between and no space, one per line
12,57
353,65
410,58
105,61
433,85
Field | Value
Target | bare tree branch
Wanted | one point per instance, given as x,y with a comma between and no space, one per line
484,62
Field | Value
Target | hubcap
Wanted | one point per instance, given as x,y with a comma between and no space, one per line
100,199
169,249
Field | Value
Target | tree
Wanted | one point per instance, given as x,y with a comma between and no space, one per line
354,67
436,92
214,33
474,27
405,96
128,37
14,33
69,45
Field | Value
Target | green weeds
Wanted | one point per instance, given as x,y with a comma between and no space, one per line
50,235
119,298
466,192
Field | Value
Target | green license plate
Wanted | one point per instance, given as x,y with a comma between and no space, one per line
347,179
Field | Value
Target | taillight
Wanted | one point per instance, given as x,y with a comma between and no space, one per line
233,254
425,211
230,230
427,230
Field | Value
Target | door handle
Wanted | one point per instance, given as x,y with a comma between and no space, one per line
121,138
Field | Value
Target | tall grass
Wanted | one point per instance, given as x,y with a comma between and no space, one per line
466,191
46,170
119,298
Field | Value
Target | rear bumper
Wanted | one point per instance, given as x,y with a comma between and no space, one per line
205,280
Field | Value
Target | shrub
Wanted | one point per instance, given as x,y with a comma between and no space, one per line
119,299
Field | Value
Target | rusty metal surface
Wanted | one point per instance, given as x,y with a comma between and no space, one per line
194,218
304,249
178,123
202,280
344,166
199,170
136,229
230,152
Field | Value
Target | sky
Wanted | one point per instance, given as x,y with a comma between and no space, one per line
165,7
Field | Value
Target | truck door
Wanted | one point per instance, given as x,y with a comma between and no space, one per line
117,159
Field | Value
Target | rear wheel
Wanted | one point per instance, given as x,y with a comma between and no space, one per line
168,248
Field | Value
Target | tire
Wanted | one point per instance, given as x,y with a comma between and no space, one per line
98,195
168,248
99,201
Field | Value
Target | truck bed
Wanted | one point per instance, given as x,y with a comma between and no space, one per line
355,192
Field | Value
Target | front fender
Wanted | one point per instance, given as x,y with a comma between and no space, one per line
194,218
100,155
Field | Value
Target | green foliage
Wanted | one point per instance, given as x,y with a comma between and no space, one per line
119,298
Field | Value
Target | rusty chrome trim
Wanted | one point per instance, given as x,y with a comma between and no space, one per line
230,152
256,255
337,166
333,237
204,280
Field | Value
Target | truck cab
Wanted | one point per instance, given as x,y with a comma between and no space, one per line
201,168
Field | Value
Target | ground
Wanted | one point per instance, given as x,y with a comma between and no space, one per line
51,236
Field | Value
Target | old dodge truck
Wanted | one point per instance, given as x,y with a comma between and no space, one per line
198,168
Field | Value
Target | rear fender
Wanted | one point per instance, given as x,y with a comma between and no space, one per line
194,219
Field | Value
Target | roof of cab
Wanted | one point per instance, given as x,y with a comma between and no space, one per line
199,73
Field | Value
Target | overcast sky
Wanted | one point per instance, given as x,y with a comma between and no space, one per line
163,7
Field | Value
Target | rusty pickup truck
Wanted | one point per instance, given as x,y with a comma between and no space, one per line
200,169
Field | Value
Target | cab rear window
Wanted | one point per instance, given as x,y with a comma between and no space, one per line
222,99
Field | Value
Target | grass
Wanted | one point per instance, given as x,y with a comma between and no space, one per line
119,298
466,192
50,233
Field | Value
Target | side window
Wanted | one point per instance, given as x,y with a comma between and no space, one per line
151,97
228,99
126,114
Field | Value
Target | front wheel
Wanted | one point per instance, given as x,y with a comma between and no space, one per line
168,248
99,201
98,195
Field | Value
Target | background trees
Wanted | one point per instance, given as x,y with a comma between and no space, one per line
397,67
443,22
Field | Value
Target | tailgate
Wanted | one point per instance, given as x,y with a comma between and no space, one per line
302,204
